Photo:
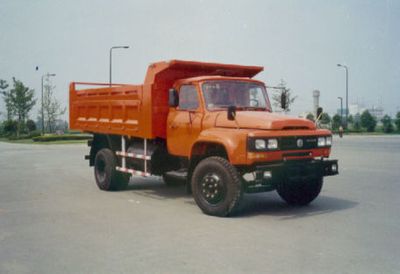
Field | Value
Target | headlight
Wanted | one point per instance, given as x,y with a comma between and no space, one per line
321,141
264,144
325,141
272,144
260,144
329,140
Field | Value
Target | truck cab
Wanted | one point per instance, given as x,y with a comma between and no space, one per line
202,105
232,117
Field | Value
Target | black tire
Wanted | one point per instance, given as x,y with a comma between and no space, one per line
107,177
300,193
216,187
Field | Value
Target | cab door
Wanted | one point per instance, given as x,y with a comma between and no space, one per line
184,122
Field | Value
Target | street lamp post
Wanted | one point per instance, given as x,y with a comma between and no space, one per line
341,110
45,75
347,91
115,47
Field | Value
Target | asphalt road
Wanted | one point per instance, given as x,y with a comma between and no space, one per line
53,219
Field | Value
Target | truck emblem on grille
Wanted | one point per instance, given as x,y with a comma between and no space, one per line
299,142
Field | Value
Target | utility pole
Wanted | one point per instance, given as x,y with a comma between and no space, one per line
341,110
347,91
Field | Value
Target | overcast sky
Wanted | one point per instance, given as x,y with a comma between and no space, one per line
298,41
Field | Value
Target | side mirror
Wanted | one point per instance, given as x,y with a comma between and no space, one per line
284,100
173,98
319,112
231,113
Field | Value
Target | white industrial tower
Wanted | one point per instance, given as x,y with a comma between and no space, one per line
316,102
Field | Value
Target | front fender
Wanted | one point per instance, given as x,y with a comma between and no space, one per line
233,140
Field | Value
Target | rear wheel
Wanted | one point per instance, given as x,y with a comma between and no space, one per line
216,187
107,177
300,193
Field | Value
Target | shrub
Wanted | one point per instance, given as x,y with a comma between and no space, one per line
34,133
20,137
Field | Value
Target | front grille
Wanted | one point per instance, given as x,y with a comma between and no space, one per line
303,142
286,143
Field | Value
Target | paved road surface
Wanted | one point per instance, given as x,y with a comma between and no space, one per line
53,219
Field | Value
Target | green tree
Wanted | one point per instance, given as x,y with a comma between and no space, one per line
31,126
336,121
22,100
368,121
7,98
387,124
397,121
310,117
51,106
357,122
325,118
350,119
9,127
283,92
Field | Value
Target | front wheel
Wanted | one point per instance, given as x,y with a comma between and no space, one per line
300,193
216,187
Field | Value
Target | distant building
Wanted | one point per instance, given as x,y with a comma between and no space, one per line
353,109
377,112
356,109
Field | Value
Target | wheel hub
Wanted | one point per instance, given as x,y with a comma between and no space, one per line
211,188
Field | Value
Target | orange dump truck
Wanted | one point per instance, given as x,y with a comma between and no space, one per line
209,125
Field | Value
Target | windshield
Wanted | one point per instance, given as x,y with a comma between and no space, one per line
242,94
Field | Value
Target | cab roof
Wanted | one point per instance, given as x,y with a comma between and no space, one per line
217,77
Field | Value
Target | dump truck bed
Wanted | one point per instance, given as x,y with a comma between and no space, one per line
139,110
111,110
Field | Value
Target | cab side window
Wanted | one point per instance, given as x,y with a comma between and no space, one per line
188,99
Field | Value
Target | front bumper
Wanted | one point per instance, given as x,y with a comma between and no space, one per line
269,175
